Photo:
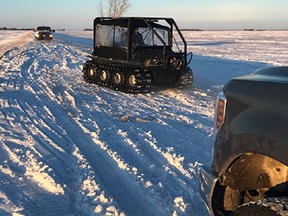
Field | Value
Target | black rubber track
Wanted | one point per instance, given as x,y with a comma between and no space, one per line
143,78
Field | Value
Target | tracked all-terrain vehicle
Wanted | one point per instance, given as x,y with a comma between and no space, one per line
131,54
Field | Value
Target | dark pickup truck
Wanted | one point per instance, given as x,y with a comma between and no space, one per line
249,170
43,33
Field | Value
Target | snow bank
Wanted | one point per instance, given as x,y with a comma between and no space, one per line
12,39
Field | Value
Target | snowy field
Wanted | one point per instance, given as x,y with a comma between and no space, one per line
72,148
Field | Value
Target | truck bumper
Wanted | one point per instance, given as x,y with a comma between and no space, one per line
207,185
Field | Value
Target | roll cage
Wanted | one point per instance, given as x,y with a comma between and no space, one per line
127,25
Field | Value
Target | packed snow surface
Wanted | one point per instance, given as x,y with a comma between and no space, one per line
72,148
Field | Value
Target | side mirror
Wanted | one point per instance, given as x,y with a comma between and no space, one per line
53,30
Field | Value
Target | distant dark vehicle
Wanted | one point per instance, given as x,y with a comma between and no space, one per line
131,54
43,33
249,171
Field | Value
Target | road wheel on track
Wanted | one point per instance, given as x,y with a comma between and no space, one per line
104,76
132,82
118,79
89,72
273,206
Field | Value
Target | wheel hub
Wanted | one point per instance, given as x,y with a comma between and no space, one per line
103,75
118,78
132,80
91,72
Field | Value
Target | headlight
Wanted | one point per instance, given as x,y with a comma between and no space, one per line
176,62
179,63
173,61
220,111
155,60
51,36
37,34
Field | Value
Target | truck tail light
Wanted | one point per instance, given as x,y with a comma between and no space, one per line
220,110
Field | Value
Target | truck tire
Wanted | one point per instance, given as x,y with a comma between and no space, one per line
274,206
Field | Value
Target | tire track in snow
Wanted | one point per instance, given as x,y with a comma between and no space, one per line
32,107
82,150
137,205
27,196
110,127
138,157
32,199
113,180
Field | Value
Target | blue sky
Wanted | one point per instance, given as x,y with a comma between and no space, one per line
203,14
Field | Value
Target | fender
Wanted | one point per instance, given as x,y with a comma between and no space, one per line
269,129
263,132
256,121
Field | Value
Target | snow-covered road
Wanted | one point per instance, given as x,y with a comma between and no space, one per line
72,148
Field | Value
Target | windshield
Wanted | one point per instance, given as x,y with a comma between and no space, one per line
111,36
150,38
44,28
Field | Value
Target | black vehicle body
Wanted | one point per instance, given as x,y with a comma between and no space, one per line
43,33
121,62
250,155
